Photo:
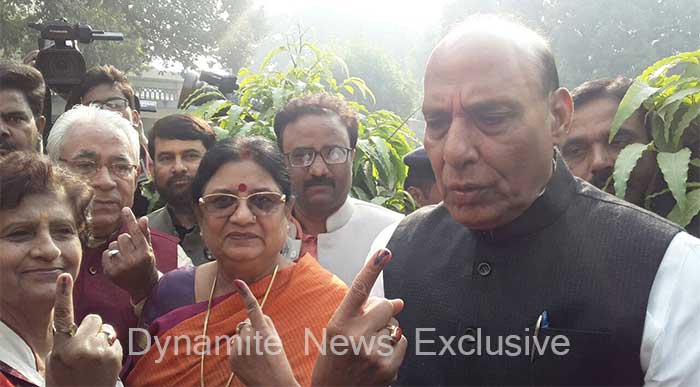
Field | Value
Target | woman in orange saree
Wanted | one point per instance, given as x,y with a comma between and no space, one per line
241,190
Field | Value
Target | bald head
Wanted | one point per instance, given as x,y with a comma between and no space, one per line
521,44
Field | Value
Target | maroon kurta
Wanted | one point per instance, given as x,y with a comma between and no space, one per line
94,293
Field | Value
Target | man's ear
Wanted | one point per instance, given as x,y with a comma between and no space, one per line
561,107
416,194
40,125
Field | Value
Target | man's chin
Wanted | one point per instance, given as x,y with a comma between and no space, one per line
104,225
473,217
183,202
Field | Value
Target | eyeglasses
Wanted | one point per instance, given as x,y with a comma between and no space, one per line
115,104
223,205
119,170
304,157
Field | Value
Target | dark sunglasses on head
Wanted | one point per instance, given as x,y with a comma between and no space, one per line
224,204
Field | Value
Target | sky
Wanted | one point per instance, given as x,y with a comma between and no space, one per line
415,12
397,19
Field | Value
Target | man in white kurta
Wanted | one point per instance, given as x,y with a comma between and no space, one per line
318,135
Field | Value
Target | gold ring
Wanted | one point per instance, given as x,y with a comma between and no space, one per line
395,332
241,325
70,331
109,332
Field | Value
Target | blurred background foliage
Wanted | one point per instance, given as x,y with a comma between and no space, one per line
299,68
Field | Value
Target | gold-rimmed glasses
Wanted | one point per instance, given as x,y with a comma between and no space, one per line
225,204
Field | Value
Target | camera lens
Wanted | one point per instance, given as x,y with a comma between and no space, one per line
61,66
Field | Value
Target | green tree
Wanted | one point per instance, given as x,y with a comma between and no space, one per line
393,89
599,38
669,91
383,138
171,30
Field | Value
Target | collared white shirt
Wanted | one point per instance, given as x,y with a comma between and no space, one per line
350,232
16,353
670,351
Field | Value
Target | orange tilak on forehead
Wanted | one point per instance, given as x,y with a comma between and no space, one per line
43,216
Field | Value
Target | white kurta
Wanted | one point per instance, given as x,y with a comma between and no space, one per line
350,232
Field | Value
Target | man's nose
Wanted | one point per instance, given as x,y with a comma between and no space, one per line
461,143
179,165
318,167
601,158
103,180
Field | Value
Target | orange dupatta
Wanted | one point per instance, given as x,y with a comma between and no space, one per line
303,297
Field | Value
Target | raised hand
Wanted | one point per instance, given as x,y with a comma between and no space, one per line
30,58
361,318
85,355
256,355
129,261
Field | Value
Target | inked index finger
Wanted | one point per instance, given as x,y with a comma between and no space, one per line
63,319
133,228
362,284
251,304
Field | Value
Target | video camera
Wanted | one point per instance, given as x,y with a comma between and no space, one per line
226,84
59,60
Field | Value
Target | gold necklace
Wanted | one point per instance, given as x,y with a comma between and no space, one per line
206,320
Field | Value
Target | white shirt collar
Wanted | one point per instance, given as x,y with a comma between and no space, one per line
17,354
341,217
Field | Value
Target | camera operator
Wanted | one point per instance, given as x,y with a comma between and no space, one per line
21,104
108,88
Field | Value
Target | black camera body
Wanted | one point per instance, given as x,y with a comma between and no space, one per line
61,63
226,84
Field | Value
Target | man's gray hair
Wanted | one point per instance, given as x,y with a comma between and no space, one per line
90,115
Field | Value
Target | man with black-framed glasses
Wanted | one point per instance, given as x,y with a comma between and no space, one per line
318,134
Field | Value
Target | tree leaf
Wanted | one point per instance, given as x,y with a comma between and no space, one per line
278,95
695,162
271,55
624,165
244,130
674,167
692,113
667,113
683,216
662,66
234,113
637,93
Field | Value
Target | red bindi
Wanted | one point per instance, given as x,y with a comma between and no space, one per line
242,187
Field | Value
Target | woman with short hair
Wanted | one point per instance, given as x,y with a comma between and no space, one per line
43,211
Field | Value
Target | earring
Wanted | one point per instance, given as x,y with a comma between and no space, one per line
255,218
